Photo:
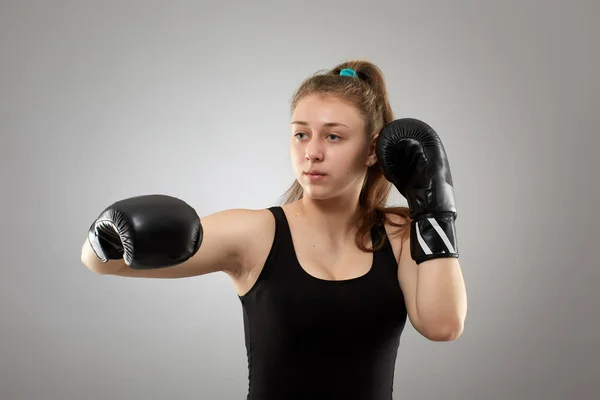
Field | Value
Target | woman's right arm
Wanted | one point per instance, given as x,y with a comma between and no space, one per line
227,237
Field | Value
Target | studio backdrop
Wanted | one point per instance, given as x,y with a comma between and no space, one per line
105,100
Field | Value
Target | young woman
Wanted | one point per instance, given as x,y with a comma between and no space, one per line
328,279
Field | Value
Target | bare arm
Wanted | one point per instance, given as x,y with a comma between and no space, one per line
226,237
435,295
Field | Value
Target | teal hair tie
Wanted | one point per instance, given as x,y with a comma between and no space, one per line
348,72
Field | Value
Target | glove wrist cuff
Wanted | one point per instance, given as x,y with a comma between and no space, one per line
433,236
99,237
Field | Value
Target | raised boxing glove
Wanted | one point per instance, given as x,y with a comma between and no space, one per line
414,160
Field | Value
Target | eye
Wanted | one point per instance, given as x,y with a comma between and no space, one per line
298,135
334,137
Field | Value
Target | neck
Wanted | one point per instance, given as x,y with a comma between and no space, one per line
333,220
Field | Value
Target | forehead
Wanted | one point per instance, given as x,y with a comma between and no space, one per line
321,109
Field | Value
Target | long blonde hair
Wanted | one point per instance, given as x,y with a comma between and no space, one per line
369,95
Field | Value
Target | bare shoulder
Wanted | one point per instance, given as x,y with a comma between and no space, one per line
397,230
252,228
256,233
259,226
241,218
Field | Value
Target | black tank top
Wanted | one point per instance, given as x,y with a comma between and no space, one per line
308,338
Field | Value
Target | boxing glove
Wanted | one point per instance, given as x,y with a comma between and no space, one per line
413,159
152,231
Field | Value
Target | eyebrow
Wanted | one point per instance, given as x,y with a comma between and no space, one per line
328,124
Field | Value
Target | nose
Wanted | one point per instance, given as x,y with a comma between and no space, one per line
314,151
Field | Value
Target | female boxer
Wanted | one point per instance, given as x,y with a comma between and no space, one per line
326,280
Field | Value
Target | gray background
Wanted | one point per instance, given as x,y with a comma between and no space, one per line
109,99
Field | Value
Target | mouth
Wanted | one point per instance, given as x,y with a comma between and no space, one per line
315,175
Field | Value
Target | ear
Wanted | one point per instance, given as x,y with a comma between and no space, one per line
372,154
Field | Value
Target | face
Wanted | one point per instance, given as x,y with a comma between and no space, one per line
329,148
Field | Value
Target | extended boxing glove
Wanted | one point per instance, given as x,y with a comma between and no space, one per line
414,160
152,231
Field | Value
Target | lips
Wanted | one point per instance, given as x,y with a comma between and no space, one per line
315,176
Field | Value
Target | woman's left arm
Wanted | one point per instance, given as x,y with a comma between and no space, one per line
414,160
435,295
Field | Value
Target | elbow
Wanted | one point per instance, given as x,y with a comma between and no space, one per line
443,331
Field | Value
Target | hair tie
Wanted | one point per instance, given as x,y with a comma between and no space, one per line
348,72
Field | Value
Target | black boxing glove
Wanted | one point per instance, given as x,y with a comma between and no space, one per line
413,159
152,231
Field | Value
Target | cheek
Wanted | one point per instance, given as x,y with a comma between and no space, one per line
294,151
347,161
296,155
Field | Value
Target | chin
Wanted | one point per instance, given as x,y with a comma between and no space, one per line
329,192
317,193
321,193
316,196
